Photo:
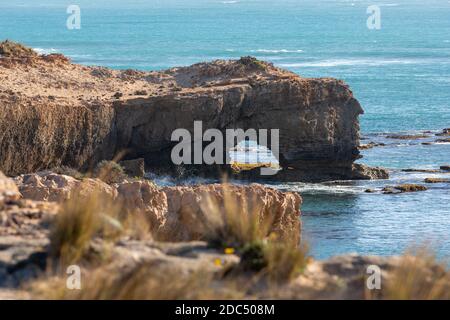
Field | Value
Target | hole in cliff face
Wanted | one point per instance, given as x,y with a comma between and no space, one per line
248,155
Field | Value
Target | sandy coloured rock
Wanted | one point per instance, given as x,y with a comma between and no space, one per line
76,119
8,190
48,186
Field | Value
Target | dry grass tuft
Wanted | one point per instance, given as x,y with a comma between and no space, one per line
233,222
79,220
419,277
110,172
13,49
145,281
237,223
285,261
82,218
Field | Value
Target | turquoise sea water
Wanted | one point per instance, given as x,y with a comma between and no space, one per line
400,74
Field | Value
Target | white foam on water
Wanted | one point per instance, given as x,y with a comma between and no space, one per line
45,50
360,62
276,51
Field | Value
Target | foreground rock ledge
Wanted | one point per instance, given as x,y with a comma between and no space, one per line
56,113
176,213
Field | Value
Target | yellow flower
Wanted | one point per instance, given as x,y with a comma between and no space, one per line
229,251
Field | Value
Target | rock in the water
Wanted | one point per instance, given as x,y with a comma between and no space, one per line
421,170
371,145
445,168
436,180
408,136
445,132
404,188
362,172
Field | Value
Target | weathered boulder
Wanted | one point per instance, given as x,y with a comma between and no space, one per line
402,188
175,213
436,180
77,120
363,172
145,196
186,212
8,190
48,186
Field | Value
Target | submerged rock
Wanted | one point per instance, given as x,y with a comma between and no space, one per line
371,145
436,180
408,136
445,168
445,132
404,188
422,170
363,172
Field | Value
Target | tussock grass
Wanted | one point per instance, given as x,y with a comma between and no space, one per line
419,277
285,261
78,221
13,49
110,172
233,222
145,281
82,218
236,222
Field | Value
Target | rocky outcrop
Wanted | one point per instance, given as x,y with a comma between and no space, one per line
8,190
58,113
187,212
146,197
403,188
175,213
48,186
362,172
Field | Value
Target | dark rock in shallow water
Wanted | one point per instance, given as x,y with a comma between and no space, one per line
422,170
445,132
407,136
362,172
436,180
371,145
403,188
445,168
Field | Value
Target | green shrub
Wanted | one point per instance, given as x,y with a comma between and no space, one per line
110,172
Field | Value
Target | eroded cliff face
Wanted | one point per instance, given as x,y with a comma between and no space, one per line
54,112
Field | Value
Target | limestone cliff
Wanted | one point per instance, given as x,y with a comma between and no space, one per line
53,112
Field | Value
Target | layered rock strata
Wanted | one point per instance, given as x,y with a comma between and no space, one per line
53,113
